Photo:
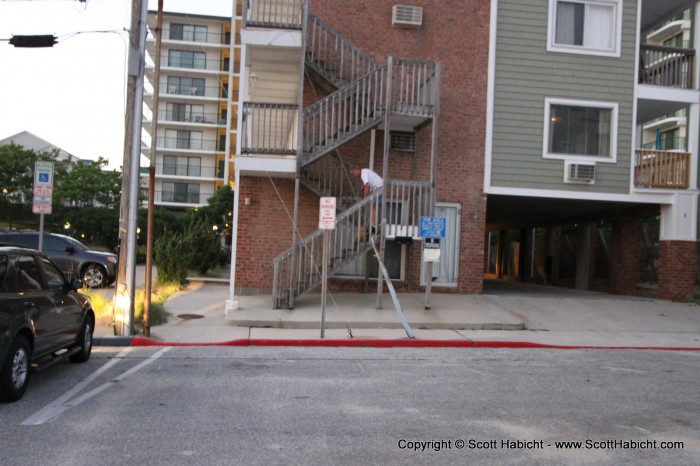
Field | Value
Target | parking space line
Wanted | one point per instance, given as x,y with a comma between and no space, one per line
63,403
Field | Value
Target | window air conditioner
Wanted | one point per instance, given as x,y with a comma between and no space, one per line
581,173
407,16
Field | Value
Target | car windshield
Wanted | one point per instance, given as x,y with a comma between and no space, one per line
76,244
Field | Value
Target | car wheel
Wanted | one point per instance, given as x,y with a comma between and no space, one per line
84,342
95,276
14,375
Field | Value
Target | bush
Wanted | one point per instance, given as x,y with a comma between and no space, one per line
196,248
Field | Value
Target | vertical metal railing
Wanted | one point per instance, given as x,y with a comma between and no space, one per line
269,128
413,87
330,177
301,266
332,121
406,203
333,56
281,14
666,66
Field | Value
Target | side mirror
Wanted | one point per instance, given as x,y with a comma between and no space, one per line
76,284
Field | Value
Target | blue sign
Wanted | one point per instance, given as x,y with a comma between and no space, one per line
43,177
433,227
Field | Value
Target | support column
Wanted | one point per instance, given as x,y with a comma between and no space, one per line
678,248
625,255
583,255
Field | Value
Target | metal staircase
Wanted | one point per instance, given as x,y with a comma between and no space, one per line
363,95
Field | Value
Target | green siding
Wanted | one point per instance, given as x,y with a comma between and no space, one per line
526,74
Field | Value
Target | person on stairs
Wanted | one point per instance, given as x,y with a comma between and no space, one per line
371,181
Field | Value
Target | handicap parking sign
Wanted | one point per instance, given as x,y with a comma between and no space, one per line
433,227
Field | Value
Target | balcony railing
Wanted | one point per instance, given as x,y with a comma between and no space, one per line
191,117
187,144
199,37
187,170
269,128
666,66
182,197
217,92
663,170
413,87
278,14
666,143
192,63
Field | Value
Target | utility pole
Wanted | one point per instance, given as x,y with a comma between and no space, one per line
152,176
124,294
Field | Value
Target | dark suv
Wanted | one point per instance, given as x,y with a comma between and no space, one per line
96,269
42,318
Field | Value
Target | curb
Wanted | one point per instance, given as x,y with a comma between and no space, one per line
372,343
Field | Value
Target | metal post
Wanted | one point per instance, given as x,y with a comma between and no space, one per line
152,177
433,174
40,247
324,281
385,172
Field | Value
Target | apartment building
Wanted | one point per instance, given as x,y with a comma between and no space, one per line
582,104
523,123
198,84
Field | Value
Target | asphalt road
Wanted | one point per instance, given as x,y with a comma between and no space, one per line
242,405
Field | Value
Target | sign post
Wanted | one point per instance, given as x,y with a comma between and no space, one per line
43,193
326,222
431,229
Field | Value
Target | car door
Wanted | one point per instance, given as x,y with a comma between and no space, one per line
60,252
33,299
68,316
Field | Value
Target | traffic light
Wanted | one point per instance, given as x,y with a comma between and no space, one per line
45,40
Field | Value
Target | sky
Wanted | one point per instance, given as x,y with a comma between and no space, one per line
73,94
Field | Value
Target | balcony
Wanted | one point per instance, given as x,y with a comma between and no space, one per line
204,118
275,14
666,66
269,128
196,62
195,36
208,145
178,197
167,169
661,169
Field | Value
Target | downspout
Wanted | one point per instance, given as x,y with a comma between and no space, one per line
433,175
300,148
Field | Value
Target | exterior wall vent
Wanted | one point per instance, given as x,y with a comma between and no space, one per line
403,141
580,173
407,16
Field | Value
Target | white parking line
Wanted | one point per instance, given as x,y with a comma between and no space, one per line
63,403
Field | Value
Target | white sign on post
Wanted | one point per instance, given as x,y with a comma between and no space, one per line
326,214
43,187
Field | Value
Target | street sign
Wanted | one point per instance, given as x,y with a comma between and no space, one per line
326,214
433,227
41,205
43,179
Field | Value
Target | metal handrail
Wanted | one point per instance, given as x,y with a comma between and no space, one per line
333,56
339,117
413,87
330,177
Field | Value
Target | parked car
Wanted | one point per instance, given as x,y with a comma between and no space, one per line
96,269
43,319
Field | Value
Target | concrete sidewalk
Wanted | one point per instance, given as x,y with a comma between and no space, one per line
511,313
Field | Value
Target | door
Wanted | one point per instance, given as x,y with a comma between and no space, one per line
33,299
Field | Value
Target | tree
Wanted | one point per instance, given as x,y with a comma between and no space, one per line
17,171
88,184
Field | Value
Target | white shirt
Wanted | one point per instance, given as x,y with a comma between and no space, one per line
369,177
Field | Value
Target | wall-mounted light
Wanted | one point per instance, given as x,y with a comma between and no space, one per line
247,201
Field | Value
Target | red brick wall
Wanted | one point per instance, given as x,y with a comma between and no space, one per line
625,255
460,42
677,270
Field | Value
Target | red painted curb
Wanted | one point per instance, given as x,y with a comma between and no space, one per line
406,343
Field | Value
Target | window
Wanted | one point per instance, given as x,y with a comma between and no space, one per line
446,272
28,274
185,86
53,276
585,26
186,193
187,59
188,32
182,166
184,112
580,128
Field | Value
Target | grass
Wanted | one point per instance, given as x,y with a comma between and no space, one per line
104,308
